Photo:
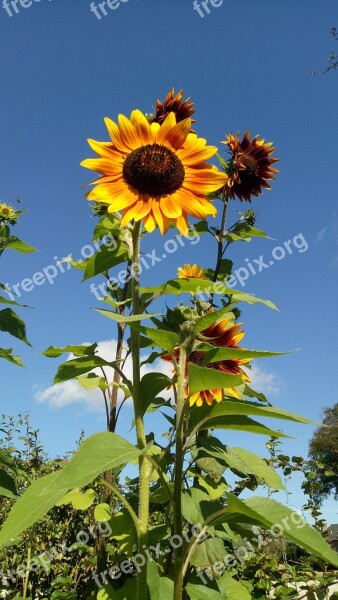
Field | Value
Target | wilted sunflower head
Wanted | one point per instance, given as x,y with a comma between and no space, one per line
188,271
249,167
8,214
154,173
183,109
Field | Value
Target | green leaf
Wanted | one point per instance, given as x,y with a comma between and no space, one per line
161,495
11,323
203,286
232,589
127,592
79,500
281,520
251,464
218,354
241,407
196,505
102,512
211,318
208,553
238,296
242,423
19,245
159,588
244,232
79,366
201,592
122,319
151,385
104,259
123,531
7,485
7,354
34,503
91,381
82,350
99,453
6,459
162,338
201,378
11,302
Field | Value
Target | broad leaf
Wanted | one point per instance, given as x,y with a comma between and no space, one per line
208,553
202,286
7,485
122,319
79,500
11,323
82,350
79,366
196,506
232,589
151,385
100,452
19,245
281,520
104,259
251,408
245,462
201,592
159,588
213,317
201,378
7,354
218,354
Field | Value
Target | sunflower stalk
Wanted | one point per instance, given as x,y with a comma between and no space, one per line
179,458
202,435
145,468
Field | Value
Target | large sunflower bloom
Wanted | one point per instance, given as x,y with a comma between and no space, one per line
154,172
250,166
221,335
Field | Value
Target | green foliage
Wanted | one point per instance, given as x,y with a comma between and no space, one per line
323,452
10,322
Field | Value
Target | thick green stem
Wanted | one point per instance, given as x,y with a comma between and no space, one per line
179,458
145,468
25,585
220,240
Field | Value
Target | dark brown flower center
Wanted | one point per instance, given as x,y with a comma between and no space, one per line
153,170
249,163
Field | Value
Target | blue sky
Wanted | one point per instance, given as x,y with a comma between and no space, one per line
245,65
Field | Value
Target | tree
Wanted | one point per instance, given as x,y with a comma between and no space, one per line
323,450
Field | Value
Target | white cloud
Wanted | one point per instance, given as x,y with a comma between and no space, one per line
321,234
70,392
329,230
265,381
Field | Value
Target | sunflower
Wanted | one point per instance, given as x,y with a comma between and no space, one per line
182,108
154,172
9,214
219,335
190,271
250,166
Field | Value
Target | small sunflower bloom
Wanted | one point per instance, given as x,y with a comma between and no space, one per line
8,214
183,109
154,173
250,166
219,335
190,271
